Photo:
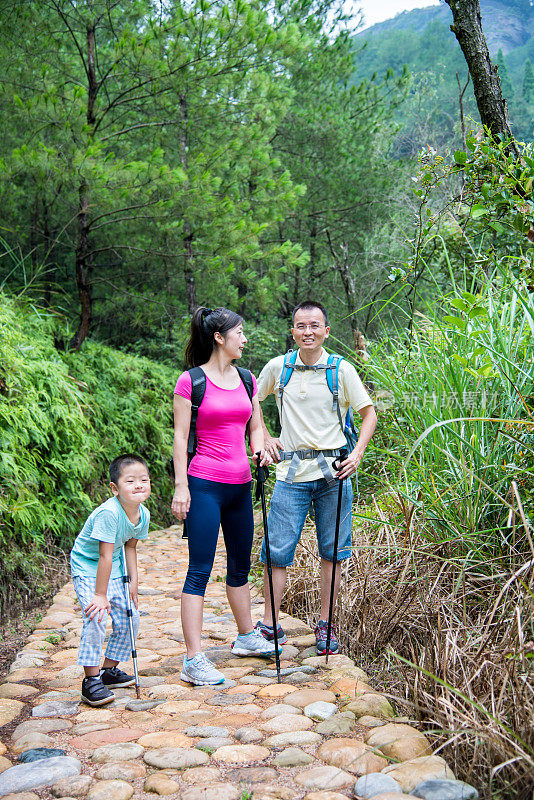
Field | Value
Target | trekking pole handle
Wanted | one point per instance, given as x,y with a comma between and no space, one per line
262,473
336,463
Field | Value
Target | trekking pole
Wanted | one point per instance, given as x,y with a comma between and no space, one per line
337,466
262,473
129,613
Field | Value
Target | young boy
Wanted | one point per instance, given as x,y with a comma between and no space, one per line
97,571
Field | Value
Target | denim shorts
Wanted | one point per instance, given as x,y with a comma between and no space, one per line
290,504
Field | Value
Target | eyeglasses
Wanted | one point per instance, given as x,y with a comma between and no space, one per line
313,326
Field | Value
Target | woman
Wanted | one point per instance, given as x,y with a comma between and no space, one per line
215,489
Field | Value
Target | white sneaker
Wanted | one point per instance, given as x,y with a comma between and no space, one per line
200,671
253,644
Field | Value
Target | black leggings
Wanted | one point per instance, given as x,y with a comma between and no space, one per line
214,504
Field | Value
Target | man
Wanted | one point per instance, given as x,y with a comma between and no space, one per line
311,423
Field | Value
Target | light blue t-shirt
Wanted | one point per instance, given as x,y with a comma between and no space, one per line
107,523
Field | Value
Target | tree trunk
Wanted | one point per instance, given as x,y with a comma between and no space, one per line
83,265
83,269
189,274
467,27
342,264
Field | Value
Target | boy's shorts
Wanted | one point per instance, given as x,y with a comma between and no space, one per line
119,646
290,504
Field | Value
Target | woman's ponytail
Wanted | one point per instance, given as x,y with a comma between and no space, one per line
205,323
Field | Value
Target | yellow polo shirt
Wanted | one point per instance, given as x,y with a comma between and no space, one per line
309,421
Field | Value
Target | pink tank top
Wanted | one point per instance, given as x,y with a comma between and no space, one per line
221,454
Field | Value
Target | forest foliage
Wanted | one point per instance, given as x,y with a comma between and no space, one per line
159,155
63,417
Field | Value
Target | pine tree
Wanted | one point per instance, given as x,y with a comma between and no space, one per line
528,82
506,84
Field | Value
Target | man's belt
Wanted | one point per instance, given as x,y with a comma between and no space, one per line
296,456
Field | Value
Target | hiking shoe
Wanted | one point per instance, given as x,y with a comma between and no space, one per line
267,632
94,693
321,631
200,671
115,678
254,644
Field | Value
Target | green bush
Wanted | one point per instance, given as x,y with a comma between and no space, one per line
63,417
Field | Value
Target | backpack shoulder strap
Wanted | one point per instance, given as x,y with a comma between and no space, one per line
246,377
198,389
290,359
332,377
287,371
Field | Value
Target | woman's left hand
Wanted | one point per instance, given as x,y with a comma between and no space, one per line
265,459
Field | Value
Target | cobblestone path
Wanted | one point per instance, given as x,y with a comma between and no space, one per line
317,735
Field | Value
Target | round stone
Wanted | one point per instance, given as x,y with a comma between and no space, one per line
9,710
371,722
121,770
287,723
30,741
56,708
117,735
241,754
211,743
293,738
73,787
95,715
304,697
161,784
5,763
334,662
393,796
9,691
325,796
445,790
141,705
324,778
21,796
202,775
248,735
276,690
375,705
110,790
165,691
279,709
335,726
89,727
45,772
252,775
375,783
205,731
273,791
217,791
175,758
320,710
411,773
38,753
165,739
40,726
230,699
125,751
398,742
352,755
292,757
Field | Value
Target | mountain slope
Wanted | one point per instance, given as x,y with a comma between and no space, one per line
507,25
422,40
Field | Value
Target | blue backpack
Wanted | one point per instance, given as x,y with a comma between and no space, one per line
331,369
